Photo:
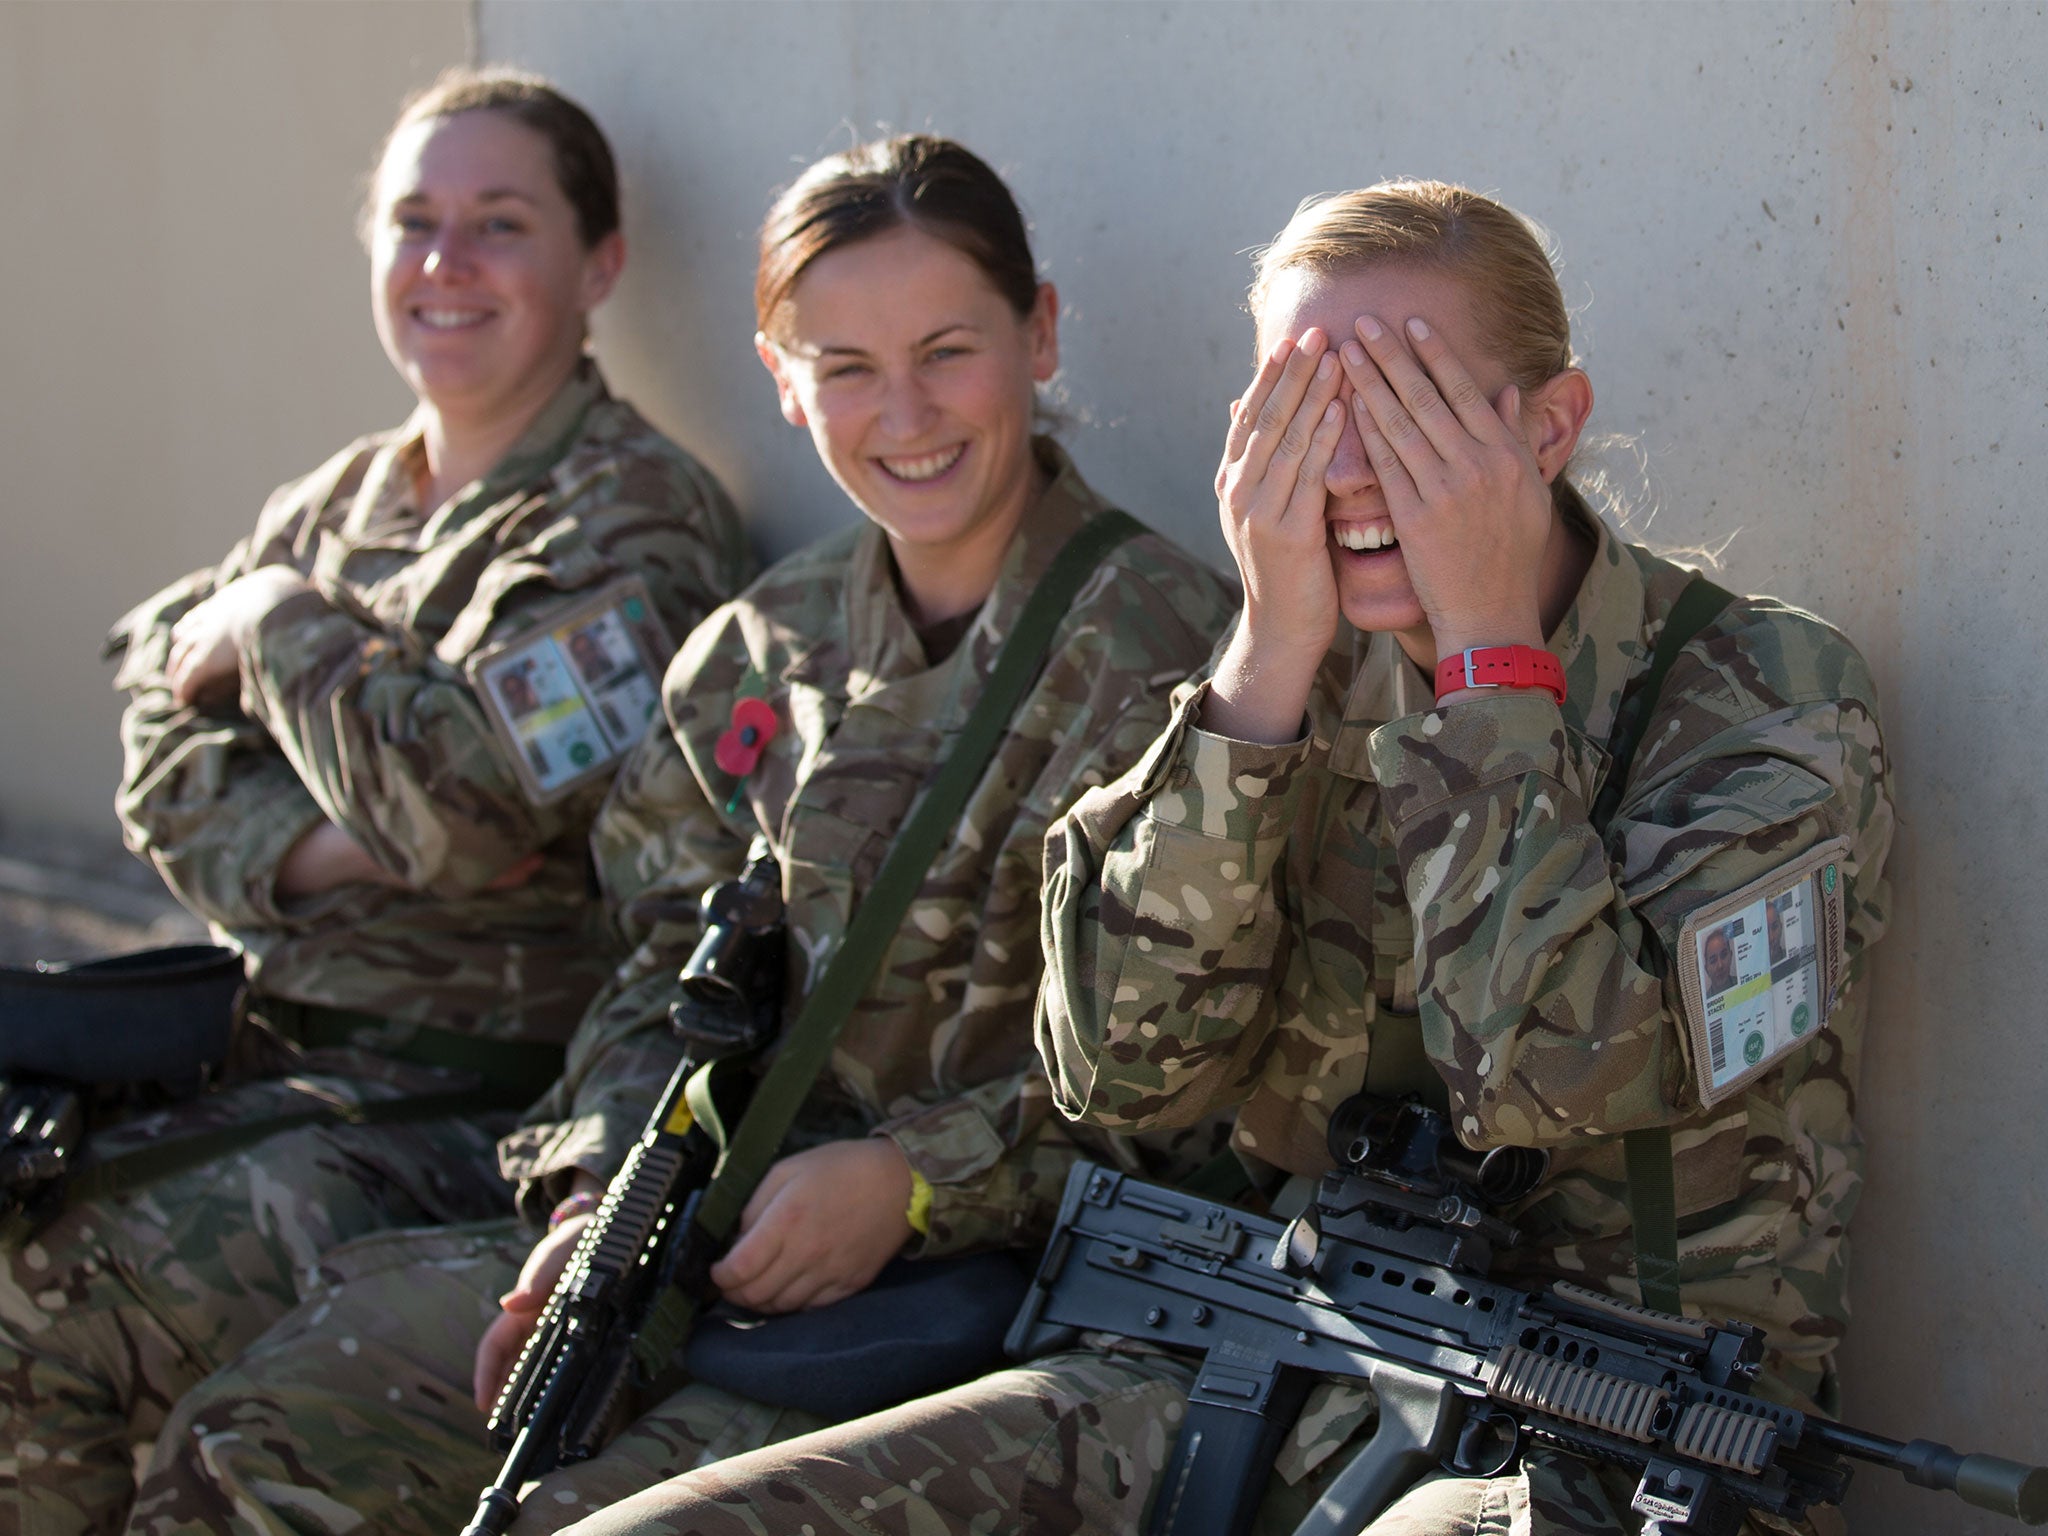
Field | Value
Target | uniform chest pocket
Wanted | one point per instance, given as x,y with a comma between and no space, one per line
1042,763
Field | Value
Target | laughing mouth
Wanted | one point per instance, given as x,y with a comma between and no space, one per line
450,319
1364,536
926,466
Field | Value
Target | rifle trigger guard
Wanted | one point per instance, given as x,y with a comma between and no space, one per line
1489,1442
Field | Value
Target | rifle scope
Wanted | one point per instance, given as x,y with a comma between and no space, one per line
732,982
1413,1146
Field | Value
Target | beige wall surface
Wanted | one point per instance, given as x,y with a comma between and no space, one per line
184,320
1805,245
1808,252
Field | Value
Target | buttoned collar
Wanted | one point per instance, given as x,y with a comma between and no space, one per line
387,503
882,646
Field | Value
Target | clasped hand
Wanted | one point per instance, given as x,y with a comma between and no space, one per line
205,665
819,1227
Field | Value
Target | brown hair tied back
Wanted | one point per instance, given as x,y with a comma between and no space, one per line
1494,251
584,168
916,180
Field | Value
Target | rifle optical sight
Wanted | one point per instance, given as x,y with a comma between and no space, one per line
732,982
1412,1146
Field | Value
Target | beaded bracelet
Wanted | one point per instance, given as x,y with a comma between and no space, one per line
578,1204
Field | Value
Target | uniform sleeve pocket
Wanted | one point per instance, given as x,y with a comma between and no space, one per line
1674,830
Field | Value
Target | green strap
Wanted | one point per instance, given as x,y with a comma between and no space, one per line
1652,1192
145,1165
807,1044
513,1072
1221,1178
1697,607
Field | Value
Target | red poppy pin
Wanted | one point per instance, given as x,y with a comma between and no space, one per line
753,726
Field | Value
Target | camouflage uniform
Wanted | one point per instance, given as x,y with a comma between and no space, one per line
353,709
1235,924
937,1055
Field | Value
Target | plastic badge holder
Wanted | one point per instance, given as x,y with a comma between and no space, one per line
571,697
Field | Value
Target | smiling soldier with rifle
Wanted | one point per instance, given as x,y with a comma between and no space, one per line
1459,810
893,716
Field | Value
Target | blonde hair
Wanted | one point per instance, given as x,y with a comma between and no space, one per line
1501,257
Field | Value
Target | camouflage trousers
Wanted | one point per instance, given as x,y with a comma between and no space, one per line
1069,1444
121,1306
353,1412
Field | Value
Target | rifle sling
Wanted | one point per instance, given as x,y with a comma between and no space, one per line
1652,1194
512,1073
807,1044
131,1170
1399,1065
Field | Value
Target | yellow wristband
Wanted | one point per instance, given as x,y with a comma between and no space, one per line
919,1211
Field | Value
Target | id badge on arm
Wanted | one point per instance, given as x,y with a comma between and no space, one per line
1759,970
569,698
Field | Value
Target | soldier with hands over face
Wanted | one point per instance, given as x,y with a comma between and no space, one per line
1342,867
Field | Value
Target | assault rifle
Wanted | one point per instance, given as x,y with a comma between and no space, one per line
1383,1278
625,1301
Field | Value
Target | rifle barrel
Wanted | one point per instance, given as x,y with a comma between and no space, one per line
1989,1482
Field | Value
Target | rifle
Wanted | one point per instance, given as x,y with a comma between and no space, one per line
625,1300
1384,1278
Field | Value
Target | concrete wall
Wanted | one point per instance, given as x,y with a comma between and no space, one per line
1805,243
1808,250
183,318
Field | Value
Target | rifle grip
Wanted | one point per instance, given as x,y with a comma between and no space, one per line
1418,1420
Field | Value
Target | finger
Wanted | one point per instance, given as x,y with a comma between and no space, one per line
1393,352
1396,484
1272,420
1293,447
1311,494
831,1294
1245,410
1454,386
1508,410
753,1256
799,1288
1374,403
495,1353
1427,417
518,874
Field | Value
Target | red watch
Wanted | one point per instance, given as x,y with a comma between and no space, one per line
1501,666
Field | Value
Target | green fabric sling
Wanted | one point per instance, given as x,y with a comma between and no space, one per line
1652,1189
748,1150
807,1044
1399,1064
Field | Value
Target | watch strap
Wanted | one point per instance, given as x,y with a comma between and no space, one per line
1501,666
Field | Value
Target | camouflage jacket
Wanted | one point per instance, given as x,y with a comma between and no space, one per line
937,1055
1237,924
354,708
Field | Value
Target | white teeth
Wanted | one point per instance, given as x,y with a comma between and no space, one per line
926,466
1363,536
450,319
